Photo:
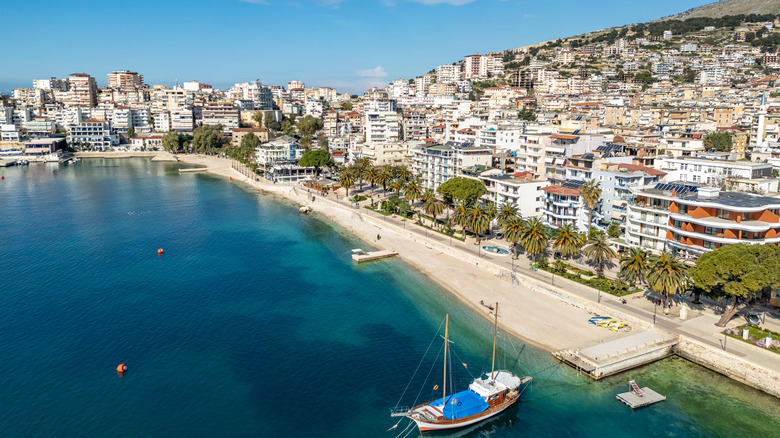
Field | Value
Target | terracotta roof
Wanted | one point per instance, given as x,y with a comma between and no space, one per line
564,137
645,169
93,121
561,190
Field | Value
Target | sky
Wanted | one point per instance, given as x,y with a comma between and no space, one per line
350,45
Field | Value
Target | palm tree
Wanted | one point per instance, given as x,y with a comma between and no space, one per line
398,185
506,213
413,192
634,265
513,231
431,205
666,275
371,175
590,192
599,251
383,177
491,213
534,236
478,219
404,174
567,240
346,180
360,172
460,215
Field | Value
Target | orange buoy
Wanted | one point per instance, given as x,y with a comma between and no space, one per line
160,251
230,178
121,368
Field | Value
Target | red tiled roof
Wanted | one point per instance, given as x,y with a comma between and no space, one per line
645,169
561,190
564,137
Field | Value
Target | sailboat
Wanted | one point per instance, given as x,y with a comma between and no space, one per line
485,397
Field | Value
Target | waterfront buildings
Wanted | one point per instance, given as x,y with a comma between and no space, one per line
93,134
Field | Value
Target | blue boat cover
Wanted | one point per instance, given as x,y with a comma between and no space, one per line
462,404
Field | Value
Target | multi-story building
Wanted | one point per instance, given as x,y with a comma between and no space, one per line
220,113
448,74
438,163
382,127
720,172
690,220
615,181
181,120
83,90
282,150
125,79
239,133
97,134
562,204
520,190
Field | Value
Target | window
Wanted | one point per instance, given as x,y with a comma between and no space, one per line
723,214
711,231
683,209
709,245
678,223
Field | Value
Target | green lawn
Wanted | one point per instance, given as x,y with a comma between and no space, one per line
755,333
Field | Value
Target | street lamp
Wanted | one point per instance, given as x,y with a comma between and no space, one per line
655,310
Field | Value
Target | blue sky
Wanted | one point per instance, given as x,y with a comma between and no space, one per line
347,44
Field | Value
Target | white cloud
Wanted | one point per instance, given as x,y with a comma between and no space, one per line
448,2
376,72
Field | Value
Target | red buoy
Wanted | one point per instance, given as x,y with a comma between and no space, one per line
230,178
160,251
121,368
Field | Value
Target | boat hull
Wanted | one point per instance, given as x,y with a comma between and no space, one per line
425,426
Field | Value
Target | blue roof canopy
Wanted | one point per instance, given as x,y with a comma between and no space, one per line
462,404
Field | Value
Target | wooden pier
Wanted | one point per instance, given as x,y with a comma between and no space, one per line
637,399
358,255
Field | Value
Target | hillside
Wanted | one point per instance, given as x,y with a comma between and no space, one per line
730,7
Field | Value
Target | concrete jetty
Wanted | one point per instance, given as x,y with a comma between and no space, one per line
637,398
194,169
358,255
602,359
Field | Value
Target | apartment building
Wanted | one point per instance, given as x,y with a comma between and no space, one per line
717,170
438,163
520,190
125,79
448,74
563,204
220,113
280,151
691,219
97,134
82,90
238,134
182,120
382,126
616,180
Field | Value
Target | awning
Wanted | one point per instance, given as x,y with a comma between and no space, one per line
619,203
617,215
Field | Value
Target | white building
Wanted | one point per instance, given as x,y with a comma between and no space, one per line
382,127
438,163
523,193
97,134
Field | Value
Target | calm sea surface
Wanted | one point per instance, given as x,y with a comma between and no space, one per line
255,322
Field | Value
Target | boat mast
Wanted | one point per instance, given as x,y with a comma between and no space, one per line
446,333
495,334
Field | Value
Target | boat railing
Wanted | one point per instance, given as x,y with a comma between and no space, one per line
400,412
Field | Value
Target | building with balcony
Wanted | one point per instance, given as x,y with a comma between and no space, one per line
691,219
616,180
717,170
520,190
93,134
281,151
83,90
562,204
438,163
221,113
125,79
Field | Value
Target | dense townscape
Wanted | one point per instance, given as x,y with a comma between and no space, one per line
665,136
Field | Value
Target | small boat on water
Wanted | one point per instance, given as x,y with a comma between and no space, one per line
485,397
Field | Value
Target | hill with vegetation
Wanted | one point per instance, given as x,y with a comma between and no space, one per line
730,7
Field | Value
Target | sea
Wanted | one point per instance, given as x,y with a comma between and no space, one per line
254,322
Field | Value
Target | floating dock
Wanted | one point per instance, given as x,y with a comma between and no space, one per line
638,398
193,170
358,255
602,359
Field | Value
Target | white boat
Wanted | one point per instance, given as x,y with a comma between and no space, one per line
485,397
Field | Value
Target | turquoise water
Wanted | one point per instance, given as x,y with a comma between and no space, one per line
255,322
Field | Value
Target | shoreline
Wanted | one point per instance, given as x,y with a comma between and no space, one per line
550,318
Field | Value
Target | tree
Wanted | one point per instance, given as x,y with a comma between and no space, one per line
413,191
599,251
460,216
346,180
614,230
431,205
534,236
590,192
258,118
398,185
720,141
506,213
666,276
170,141
737,272
288,126
634,265
462,189
207,138
315,158
528,115
308,126
249,141
567,240
346,106
131,133
383,177
371,177
404,174
513,231
360,172
478,220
